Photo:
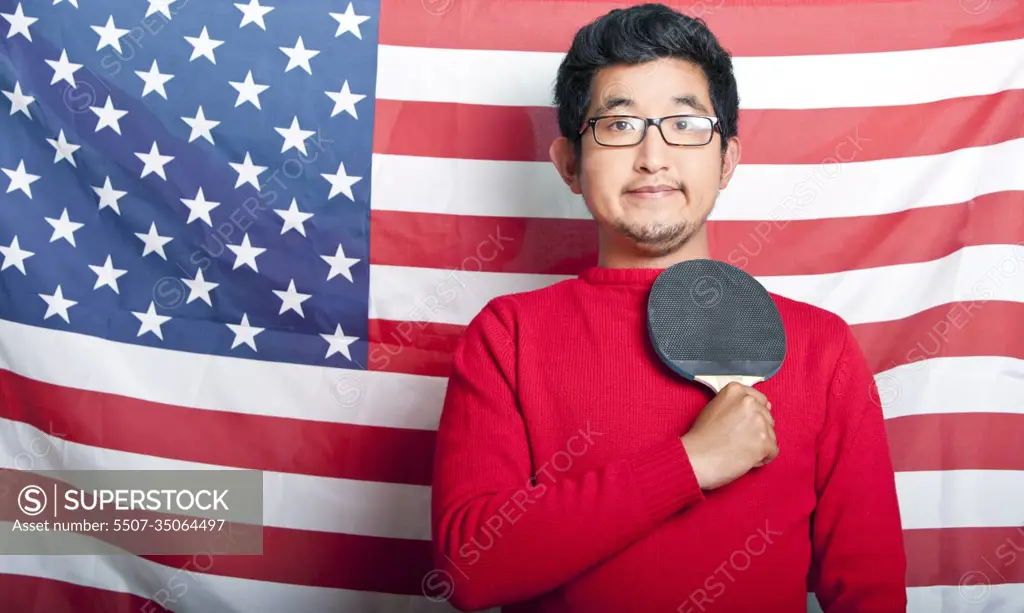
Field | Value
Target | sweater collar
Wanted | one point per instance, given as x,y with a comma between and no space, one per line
599,275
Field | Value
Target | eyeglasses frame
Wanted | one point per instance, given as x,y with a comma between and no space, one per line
648,122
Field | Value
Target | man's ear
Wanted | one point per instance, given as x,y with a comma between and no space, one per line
730,160
564,158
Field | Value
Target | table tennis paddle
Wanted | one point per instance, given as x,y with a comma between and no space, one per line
713,323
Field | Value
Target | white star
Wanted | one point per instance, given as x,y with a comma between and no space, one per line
200,288
349,22
244,333
246,254
154,162
108,196
199,208
154,80
151,322
344,100
20,179
57,304
338,342
247,172
291,300
15,256
64,149
340,265
73,2
253,13
63,70
19,101
19,22
107,275
153,241
294,136
162,6
109,35
64,228
203,46
201,126
107,116
293,218
341,183
299,56
248,91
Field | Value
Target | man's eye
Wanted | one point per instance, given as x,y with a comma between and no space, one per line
621,126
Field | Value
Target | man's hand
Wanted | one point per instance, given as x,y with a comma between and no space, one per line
734,433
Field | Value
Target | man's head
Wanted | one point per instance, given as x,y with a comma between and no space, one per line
650,62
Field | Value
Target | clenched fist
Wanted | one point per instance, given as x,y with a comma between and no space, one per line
734,433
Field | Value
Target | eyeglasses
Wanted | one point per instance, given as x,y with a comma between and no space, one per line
628,130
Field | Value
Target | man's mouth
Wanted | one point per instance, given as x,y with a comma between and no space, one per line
654,191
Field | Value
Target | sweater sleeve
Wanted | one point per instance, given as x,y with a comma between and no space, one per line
859,558
504,534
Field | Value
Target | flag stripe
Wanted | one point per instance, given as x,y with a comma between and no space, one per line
763,248
797,28
510,78
943,557
756,192
523,134
956,441
21,593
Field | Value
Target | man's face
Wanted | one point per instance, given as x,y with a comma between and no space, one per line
652,195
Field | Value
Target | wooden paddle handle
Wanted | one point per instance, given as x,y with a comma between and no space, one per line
717,382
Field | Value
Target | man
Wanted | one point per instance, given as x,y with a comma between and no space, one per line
575,473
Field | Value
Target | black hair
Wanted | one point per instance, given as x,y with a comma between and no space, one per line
637,35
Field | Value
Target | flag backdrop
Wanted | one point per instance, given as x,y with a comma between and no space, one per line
249,235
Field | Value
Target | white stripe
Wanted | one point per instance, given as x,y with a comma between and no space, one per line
973,595
221,383
960,498
757,191
978,273
952,385
185,591
524,78
300,502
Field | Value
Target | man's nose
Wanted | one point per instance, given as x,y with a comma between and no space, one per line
653,151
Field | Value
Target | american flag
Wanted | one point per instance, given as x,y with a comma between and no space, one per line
249,235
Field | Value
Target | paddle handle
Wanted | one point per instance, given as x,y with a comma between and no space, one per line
717,382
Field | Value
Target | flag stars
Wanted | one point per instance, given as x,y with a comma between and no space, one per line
63,70
14,256
20,179
248,91
19,23
340,265
294,136
154,80
349,22
299,56
199,208
245,254
57,304
107,116
253,13
107,275
108,196
341,182
293,218
291,300
338,342
154,243
154,162
64,149
244,333
151,322
19,101
344,100
199,288
160,6
203,46
201,126
64,228
110,35
247,172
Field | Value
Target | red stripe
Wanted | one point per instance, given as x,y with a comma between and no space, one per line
24,594
830,136
790,28
123,423
956,441
946,556
763,248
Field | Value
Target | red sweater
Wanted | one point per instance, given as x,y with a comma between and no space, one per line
560,482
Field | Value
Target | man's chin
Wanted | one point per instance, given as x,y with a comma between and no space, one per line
656,239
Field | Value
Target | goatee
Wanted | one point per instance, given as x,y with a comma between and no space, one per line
656,239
